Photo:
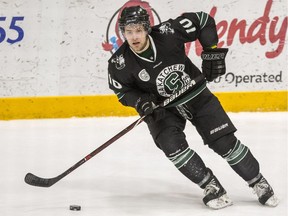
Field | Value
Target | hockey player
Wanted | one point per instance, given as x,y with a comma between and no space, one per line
151,65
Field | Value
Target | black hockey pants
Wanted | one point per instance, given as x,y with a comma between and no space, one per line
217,131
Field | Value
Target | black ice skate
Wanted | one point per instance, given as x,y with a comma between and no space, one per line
265,193
215,195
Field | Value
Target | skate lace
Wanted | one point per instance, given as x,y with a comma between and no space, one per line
261,187
211,187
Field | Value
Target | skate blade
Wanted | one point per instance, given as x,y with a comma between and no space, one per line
273,201
219,203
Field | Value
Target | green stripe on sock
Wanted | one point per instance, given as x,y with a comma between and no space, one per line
238,153
182,158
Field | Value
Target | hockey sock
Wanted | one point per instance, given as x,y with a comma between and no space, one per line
242,161
189,163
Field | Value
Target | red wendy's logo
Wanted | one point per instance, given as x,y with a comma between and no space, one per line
266,29
114,38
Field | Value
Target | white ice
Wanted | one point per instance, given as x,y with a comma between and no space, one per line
132,176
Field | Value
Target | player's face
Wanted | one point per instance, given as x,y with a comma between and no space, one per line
136,37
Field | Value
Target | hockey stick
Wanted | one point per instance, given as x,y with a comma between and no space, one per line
34,180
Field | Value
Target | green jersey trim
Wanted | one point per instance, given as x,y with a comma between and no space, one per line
189,96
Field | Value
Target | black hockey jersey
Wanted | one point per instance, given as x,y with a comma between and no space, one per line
131,75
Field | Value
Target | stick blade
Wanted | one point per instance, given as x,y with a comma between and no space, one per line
34,180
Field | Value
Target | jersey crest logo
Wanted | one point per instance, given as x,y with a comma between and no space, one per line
165,28
119,62
144,76
172,79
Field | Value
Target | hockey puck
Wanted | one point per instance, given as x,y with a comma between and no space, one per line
75,207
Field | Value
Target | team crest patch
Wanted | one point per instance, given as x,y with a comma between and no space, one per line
144,76
172,78
165,28
119,62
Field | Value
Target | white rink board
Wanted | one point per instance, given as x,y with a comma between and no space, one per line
60,49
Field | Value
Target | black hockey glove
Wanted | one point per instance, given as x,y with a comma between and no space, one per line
213,64
145,105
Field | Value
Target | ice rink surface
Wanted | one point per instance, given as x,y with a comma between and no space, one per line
130,177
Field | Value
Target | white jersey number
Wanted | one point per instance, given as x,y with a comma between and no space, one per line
187,25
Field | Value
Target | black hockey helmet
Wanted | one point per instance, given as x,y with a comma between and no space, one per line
134,15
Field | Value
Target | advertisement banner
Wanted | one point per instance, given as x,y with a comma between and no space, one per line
57,48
